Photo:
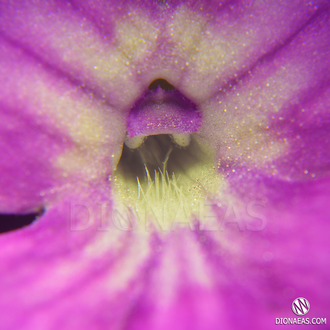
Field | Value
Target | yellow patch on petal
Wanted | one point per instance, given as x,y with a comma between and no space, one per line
186,31
137,36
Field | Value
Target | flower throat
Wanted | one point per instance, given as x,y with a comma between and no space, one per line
164,178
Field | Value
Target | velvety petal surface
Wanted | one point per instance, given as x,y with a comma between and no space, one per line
258,73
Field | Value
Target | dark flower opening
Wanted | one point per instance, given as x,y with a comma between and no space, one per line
10,222
164,84
163,181
159,152
165,164
160,129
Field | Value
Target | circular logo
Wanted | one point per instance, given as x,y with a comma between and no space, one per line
300,306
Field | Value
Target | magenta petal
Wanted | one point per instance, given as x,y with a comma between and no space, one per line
70,79
91,276
162,112
25,146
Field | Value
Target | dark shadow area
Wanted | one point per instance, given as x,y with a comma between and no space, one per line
166,86
10,222
152,154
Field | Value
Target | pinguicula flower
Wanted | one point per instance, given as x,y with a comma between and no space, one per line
177,154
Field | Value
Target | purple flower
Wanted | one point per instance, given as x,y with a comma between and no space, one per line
219,224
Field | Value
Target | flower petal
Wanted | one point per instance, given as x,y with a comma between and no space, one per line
72,71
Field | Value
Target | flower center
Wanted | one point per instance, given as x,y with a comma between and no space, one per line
165,173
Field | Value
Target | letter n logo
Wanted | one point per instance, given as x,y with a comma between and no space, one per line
300,306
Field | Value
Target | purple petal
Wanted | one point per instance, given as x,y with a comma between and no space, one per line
258,73
159,113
